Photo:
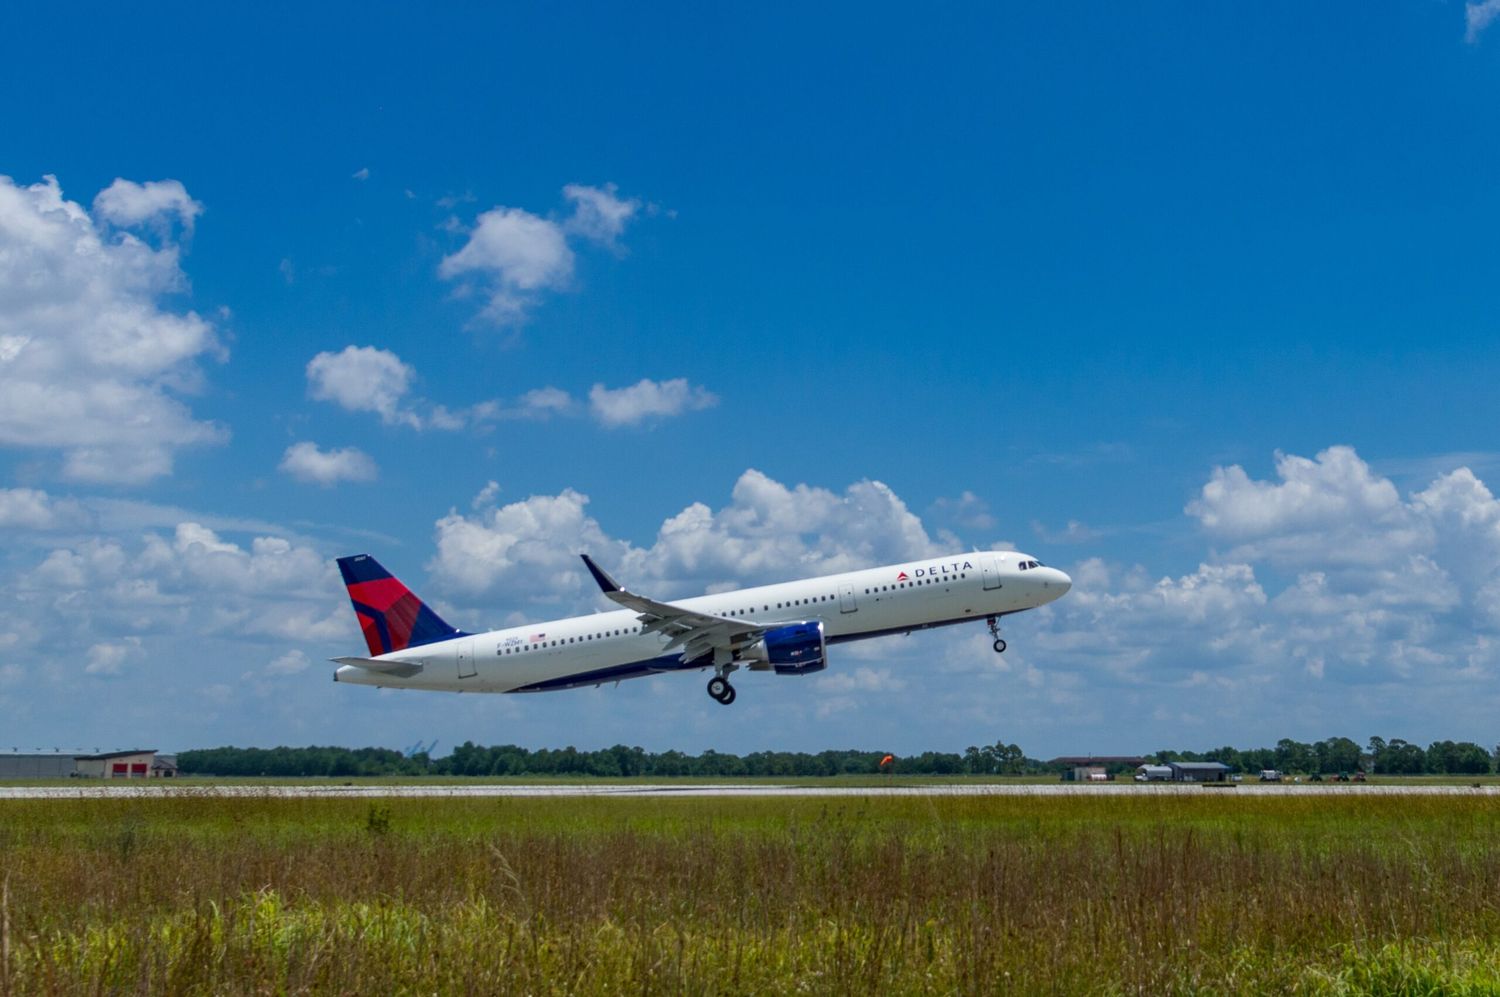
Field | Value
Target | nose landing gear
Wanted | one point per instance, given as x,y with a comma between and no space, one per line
994,622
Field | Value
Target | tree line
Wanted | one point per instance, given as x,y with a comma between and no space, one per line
469,759
1340,754
1329,756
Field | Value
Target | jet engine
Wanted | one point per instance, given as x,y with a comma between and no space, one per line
795,649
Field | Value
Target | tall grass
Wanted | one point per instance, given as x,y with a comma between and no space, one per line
906,895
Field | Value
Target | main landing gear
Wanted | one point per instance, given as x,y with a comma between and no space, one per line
720,689
718,686
994,622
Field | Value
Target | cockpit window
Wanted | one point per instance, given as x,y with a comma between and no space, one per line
1026,565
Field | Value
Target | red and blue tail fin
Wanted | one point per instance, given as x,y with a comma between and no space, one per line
391,616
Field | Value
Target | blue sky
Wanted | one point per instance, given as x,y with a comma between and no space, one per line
1195,302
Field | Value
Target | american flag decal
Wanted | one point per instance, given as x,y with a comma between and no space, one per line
537,637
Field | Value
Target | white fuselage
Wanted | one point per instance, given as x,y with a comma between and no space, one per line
606,647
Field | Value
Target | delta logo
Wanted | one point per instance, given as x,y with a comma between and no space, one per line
936,570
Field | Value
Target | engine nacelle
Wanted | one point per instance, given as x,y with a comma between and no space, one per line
795,649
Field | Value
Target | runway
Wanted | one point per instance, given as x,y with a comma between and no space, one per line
160,790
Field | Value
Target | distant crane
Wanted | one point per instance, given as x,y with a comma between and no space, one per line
418,749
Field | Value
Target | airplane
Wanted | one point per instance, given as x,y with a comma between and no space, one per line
784,628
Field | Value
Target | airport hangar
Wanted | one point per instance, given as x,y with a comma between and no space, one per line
134,763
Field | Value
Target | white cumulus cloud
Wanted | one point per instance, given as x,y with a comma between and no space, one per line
368,379
307,462
544,403
768,532
514,253
128,204
364,379
290,663
647,399
33,509
1477,17
511,255
90,360
599,214
110,658
1331,575
191,581
1312,495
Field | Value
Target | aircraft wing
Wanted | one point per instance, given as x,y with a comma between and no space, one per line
698,634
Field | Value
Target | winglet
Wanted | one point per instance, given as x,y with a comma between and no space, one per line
605,582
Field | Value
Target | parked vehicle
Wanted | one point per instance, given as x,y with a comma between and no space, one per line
1270,775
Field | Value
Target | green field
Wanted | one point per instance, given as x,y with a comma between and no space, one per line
1150,894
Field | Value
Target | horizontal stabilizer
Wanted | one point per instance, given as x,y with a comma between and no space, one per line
401,669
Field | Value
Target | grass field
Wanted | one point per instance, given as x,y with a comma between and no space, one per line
1154,894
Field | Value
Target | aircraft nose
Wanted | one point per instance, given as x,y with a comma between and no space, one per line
1059,583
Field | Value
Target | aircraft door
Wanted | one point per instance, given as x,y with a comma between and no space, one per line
990,571
846,599
466,669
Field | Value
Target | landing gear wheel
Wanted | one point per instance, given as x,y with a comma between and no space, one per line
728,696
719,687
994,622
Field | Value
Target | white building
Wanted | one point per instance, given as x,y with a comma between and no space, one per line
134,764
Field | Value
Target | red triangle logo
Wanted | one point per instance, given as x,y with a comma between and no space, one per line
901,577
